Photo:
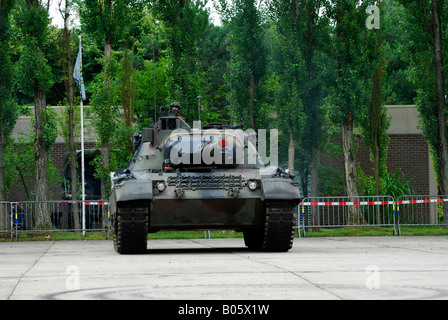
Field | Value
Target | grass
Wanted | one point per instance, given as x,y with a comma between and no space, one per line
377,231
216,234
102,235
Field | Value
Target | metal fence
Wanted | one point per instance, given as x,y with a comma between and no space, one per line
372,211
422,210
319,212
30,216
348,211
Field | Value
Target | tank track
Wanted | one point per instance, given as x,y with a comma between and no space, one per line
277,235
279,226
131,229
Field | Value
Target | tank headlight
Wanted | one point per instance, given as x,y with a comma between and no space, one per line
252,185
161,186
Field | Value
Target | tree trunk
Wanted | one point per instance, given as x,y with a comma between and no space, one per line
105,186
291,150
350,170
71,126
441,102
375,128
251,100
105,147
441,105
2,175
315,184
43,220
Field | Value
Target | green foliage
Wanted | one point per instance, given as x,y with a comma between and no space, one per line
184,23
63,123
214,74
144,91
33,69
399,89
355,61
109,19
391,184
301,62
104,105
422,69
49,126
8,108
248,61
20,165
19,162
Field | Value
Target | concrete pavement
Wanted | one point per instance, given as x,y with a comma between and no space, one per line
224,269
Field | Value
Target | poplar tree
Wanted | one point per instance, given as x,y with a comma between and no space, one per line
245,21
8,109
426,25
375,124
303,32
107,21
185,21
35,79
350,91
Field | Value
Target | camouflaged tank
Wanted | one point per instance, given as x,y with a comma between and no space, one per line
182,178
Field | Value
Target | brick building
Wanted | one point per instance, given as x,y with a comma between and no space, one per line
408,150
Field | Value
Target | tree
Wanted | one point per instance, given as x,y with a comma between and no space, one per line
399,88
302,33
349,94
107,20
184,21
428,54
36,79
69,122
375,125
8,108
214,75
151,70
248,51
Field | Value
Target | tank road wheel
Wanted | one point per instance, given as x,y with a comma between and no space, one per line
131,229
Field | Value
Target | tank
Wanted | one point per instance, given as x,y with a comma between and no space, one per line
184,178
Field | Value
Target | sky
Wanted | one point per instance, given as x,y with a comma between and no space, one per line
58,21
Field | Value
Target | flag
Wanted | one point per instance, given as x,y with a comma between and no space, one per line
77,75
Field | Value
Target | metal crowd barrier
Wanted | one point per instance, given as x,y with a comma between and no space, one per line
422,210
321,212
31,216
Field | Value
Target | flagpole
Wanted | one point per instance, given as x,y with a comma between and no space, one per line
82,160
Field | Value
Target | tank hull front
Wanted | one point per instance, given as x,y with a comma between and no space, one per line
206,213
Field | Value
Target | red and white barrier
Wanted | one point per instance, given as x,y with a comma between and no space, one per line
370,203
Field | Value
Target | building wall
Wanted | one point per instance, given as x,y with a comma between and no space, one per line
408,152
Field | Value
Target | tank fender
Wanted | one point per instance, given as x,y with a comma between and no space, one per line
133,190
279,189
